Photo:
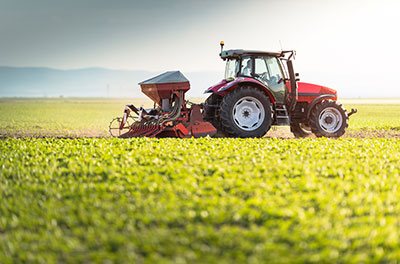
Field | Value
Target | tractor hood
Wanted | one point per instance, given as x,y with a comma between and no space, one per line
309,89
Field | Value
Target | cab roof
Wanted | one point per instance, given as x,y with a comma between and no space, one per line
236,53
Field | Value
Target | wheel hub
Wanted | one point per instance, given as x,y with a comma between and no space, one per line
330,119
248,113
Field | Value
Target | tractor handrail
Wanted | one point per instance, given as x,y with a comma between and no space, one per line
292,54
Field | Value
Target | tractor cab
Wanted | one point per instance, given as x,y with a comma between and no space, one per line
265,67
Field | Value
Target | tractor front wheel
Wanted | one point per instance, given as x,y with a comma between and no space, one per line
329,119
245,112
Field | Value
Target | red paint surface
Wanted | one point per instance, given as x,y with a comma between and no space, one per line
233,84
314,90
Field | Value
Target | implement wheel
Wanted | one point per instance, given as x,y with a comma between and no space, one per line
115,129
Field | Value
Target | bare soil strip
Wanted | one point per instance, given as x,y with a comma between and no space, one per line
275,132
284,132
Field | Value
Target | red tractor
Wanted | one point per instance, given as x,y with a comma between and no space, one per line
260,89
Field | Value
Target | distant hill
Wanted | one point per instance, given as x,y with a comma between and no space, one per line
88,82
100,82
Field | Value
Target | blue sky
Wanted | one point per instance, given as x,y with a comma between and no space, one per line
348,45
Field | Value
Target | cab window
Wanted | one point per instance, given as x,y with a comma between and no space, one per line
231,69
261,67
246,67
274,70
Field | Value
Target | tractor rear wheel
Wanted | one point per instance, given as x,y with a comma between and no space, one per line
245,112
211,106
329,119
300,130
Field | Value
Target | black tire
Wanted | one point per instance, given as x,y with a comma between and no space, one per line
326,114
211,110
300,131
260,106
211,113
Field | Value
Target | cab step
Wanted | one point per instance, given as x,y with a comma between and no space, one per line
281,115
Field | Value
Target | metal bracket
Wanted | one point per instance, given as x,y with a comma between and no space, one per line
352,112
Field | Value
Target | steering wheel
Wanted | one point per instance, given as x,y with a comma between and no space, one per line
264,76
273,80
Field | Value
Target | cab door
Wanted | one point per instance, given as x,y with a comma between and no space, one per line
268,70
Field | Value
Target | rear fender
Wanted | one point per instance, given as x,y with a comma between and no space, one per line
317,100
223,89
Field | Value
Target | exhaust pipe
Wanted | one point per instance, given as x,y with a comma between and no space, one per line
293,84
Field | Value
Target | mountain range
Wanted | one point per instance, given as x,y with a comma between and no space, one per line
101,82
88,82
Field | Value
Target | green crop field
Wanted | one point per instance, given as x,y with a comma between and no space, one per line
212,200
91,117
60,117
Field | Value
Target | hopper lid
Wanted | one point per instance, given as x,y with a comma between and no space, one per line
167,77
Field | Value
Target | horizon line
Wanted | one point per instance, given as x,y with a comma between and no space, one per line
95,67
